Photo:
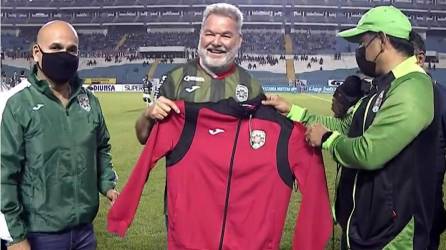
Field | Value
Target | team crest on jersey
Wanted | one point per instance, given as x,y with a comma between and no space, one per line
258,138
241,92
84,102
378,102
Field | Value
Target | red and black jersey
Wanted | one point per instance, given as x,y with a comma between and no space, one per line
230,171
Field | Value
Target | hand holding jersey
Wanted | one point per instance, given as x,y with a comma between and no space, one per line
277,102
314,133
160,109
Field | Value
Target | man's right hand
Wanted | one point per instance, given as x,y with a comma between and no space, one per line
22,245
160,109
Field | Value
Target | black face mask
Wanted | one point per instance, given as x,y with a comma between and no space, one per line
59,67
366,67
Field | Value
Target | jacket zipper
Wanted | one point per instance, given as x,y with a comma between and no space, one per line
356,177
228,186
338,177
353,209
76,172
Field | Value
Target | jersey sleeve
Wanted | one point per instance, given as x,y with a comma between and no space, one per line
314,222
167,87
162,140
342,125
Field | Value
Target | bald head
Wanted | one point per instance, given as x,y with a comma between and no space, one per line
56,36
57,41
54,30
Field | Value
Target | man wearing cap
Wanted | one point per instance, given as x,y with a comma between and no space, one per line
387,146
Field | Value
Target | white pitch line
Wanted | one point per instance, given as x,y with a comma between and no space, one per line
320,98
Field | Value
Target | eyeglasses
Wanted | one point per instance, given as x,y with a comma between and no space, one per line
364,44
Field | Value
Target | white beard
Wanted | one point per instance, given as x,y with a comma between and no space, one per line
216,63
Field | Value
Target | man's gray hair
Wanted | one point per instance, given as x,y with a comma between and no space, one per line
224,9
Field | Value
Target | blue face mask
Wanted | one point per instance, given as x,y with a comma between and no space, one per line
59,67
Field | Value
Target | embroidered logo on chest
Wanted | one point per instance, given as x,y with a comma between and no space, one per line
84,102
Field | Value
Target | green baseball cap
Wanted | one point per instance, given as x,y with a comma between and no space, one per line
386,19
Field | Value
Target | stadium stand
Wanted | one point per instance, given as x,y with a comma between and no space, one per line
113,33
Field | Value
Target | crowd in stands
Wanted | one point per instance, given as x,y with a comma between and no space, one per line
143,39
337,56
261,60
91,62
119,42
122,46
270,42
307,43
97,42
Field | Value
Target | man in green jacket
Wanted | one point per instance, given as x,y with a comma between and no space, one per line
386,147
55,151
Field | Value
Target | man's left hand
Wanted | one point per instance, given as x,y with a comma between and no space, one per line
314,134
112,195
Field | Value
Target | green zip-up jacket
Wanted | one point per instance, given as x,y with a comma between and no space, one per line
54,159
407,110
388,148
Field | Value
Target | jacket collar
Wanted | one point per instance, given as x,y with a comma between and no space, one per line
44,87
405,67
237,109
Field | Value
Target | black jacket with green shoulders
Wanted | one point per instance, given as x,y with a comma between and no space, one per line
388,148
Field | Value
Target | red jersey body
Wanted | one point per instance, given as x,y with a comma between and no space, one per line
230,172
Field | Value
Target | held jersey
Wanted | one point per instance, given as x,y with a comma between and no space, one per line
230,172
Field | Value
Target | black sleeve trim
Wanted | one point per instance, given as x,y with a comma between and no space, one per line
187,136
286,127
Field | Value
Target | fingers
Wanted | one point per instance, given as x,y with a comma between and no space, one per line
161,108
278,103
169,103
270,100
310,136
112,195
114,198
314,134
308,131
